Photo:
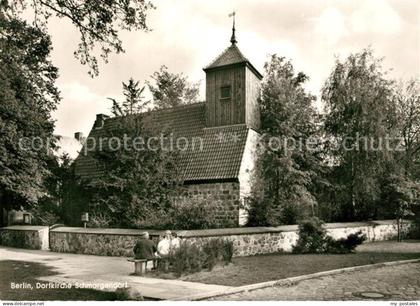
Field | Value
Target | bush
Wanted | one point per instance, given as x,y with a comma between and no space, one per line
150,219
99,220
187,259
266,212
191,258
180,213
414,231
217,251
45,213
291,214
345,245
193,214
257,212
312,237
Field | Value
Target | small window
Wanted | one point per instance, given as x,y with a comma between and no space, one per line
225,92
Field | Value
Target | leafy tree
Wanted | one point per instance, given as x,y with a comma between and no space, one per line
54,206
287,161
360,119
134,101
27,97
138,181
27,82
169,89
97,21
407,99
399,195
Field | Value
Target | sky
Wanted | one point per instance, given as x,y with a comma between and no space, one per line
188,34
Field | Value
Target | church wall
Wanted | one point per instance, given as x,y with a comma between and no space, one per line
224,198
246,173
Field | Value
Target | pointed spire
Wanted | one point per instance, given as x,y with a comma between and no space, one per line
233,37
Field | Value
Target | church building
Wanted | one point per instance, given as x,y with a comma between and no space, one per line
227,123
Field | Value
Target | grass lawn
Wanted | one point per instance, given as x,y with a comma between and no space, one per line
261,268
27,272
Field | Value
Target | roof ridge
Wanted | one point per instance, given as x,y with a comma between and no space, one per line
182,106
225,126
162,110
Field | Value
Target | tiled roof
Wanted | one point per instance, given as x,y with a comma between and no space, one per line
231,55
220,156
213,153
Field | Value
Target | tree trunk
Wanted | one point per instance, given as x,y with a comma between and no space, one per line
2,210
352,196
399,229
2,217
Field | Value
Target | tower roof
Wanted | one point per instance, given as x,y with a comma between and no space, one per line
231,56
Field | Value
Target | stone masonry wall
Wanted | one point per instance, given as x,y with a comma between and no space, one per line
256,243
224,199
27,237
253,241
247,241
97,241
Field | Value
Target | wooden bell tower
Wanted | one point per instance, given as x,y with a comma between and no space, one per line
232,89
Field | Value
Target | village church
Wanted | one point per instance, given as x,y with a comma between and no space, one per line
227,122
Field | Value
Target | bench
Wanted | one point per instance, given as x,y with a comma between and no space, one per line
139,265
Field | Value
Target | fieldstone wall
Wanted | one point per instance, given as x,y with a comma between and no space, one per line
374,230
120,242
265,240
247,241
224,198
253,243
94,241
25,236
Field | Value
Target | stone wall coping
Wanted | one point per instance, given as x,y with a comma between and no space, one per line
236,231
358,224
23,228
105,231
213,232
277,229
391,221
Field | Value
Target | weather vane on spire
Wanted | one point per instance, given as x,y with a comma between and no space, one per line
233,38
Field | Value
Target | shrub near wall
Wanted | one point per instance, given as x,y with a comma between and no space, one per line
190,258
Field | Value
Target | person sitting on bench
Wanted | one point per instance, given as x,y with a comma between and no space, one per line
164,245
164,248
145,249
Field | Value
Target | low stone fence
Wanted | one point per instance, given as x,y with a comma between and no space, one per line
96,241
119,242
265,240
24,236
247,241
